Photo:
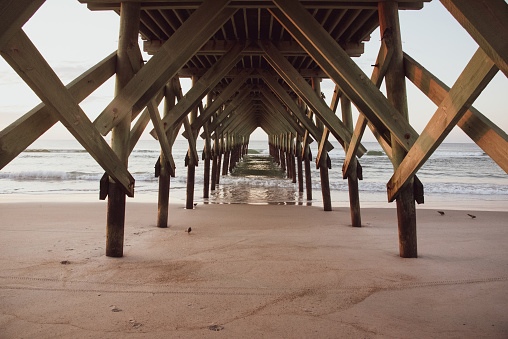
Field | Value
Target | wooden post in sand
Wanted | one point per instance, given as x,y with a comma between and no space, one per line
307,157
227,152
213,180
191,165
129,30
293,159
354,197
220,147
207,154
396,93
164,175
299,163
324,160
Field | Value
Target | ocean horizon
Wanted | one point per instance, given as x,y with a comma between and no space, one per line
62,168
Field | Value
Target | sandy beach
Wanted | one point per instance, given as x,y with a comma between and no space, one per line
257,271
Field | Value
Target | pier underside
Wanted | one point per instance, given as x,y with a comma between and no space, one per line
259,64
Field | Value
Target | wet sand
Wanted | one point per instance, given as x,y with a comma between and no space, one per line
260,271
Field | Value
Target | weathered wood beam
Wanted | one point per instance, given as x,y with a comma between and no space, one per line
475,77
31,66
343,71
326,131
203,86
16,137
276,106
277,88
189,72
240,102
13,15
97,5
487,23
227,93
487,135
305,91
380,68
140,125
192,141
287,48
164,65
161,135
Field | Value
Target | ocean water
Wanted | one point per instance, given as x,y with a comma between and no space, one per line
461,172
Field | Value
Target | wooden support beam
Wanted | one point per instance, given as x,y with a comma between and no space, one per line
277,106
164,65
128,62
140,125
326,131
225,119
16,137
487,23
26,60
352,178
100,5
286,70
13,15
475,77
382,62
487,135
203,86
288,48
227,93
343,71
277,88
170,93
161,135
220,100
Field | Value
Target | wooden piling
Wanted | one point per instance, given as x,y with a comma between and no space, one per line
354,196
325,182
396,93
323,161
207,154
191,165
129,30
214,166
219,160
299,163
164,176
307,157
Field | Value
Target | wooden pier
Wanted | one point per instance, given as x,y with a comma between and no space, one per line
259,64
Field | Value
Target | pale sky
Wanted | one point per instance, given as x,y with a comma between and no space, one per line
72,39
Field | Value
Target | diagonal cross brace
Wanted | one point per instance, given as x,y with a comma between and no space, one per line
26,60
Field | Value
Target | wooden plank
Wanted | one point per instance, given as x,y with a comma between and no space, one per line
487,23
161,135
382,62
305,92
204,85
164,65
16,137
487,135
13,15
343,71
475,77
26,60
